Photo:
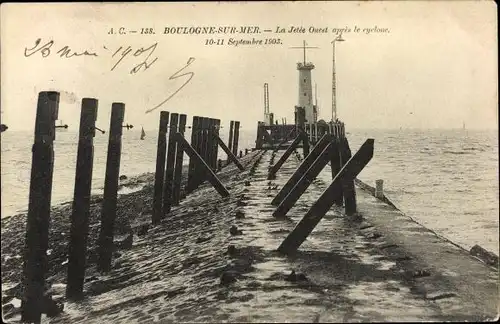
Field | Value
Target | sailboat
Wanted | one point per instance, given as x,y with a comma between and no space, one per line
143,134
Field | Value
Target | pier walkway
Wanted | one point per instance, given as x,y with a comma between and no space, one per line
214,260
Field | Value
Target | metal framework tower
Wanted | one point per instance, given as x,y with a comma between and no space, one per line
268,116
266,103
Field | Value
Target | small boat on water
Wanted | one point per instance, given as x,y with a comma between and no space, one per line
143,134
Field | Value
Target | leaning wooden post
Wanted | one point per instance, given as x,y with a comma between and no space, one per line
212,178
230,142
303,167
284,157
194,143
236,137
170,165
179,158
285,139
160,168
304,182
81,201
108,214
229,153
37,227
324,203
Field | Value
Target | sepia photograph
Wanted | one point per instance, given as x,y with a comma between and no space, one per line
249,162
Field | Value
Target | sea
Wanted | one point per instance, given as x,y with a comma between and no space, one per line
447,180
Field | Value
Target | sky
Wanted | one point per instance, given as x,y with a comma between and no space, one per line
435,67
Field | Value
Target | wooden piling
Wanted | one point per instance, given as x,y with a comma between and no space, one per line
215,143
179,158
348,188
77,251
170,165
318,210
236,137
230,142
210,143
160,168
195,129
209,152
301,122
37,227
303,167
110,197
379,189
304,182
200,177
201,151
335,166
305,146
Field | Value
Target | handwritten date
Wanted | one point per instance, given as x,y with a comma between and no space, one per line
144,54
45,50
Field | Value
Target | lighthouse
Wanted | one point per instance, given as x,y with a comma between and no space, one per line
305,98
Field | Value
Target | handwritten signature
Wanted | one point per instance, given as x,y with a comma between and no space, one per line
144,53
173,77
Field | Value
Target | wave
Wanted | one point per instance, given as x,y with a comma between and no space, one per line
456,152
473,149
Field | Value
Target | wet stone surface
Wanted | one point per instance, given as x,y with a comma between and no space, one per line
214,259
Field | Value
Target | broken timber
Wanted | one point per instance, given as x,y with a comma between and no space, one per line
211,177
350,170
